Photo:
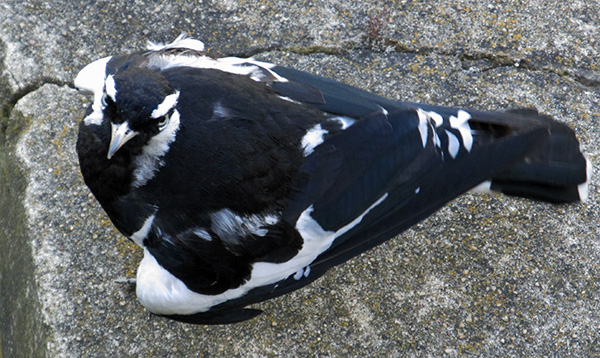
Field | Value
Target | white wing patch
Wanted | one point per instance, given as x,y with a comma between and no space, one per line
203,234
316,241
312,139
239,66
289,99
461,122
230,227
139,236
384,111
424,125
345,121
181,42
453,144
430,121
161,292
437,119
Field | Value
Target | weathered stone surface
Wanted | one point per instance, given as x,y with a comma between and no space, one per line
486,276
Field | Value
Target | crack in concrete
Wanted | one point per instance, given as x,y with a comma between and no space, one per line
495,61
7,107
16,96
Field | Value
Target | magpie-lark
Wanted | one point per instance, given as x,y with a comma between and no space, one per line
242,180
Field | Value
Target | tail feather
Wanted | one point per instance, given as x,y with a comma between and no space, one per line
555,172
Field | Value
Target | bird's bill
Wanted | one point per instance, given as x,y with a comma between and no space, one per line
121,134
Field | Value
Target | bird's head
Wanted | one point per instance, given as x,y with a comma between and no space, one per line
140,106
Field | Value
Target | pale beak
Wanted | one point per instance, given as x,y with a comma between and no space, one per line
121,134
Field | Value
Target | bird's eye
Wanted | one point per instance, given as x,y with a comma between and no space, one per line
164,121
103,100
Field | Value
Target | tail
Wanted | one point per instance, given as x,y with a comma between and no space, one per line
556,172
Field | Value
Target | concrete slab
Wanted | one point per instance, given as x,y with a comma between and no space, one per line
486,276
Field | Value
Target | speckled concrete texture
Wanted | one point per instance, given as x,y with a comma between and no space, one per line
487,276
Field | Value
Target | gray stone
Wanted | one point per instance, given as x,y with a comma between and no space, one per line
486,276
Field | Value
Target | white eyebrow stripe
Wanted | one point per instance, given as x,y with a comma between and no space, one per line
168,104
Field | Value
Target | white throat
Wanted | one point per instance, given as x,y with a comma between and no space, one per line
150,160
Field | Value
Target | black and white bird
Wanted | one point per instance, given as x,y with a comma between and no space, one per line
243,180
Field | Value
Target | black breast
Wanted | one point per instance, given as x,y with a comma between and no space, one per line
239,143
